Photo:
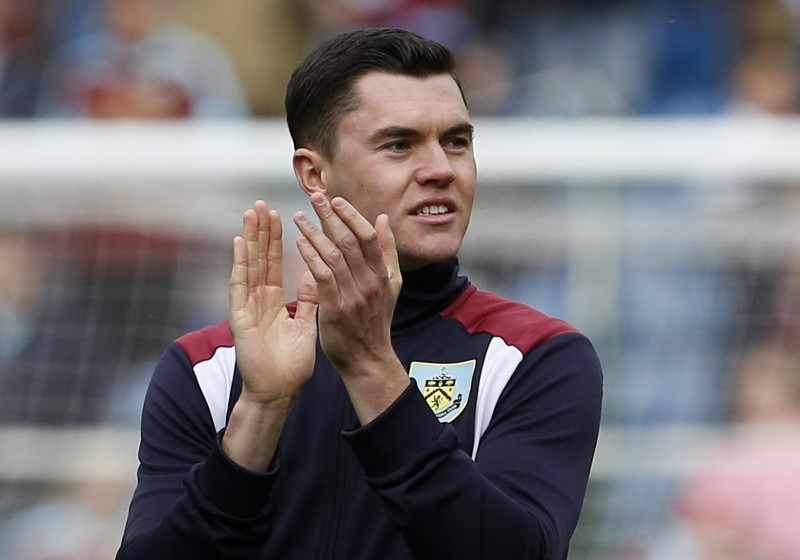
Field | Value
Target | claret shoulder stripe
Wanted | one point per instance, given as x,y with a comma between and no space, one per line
517,324
203,344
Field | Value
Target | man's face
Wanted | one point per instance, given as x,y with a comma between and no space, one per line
132,19
406,151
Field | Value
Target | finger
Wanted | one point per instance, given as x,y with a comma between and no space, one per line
388,248
250,237
307,303
326,286
340,233
274,253
238,281
354,273
337,230
369,244
328,253
262,243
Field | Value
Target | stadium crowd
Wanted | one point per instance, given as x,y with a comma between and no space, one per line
543,57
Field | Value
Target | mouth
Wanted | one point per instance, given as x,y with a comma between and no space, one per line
433,210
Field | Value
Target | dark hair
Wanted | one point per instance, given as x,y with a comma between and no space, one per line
321,88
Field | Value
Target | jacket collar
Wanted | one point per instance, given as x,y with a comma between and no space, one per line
426,292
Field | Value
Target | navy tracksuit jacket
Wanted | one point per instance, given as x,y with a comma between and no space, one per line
485,456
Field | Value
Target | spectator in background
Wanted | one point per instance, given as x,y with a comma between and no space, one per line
79,309
765,78
141,66
449,22
766,81
79,522
22,283
690,52
743,502
571,58
23,48
488,74
766,388
763,22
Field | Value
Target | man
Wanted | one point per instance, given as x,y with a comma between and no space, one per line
368,420
141,66
23,51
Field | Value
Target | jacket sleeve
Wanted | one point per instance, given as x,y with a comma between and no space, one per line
191,501
522,495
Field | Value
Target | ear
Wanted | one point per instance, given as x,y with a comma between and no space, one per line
308,168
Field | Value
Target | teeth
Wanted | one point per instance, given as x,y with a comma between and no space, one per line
433,210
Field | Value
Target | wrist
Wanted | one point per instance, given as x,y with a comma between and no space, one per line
253,431
373,389
370,365
258,408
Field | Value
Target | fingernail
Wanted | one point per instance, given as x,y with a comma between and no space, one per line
338,202
318,199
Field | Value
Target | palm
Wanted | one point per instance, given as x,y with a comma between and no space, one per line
275,352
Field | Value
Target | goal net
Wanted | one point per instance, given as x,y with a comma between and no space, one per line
671,243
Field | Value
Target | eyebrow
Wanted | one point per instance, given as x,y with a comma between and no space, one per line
394,131
460,129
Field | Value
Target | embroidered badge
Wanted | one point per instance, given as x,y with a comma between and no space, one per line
445,387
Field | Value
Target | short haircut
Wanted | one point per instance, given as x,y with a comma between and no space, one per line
322,87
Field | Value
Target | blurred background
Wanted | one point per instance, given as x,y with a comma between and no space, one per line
639,178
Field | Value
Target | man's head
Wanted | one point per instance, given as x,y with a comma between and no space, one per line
133,19
378,118
321,88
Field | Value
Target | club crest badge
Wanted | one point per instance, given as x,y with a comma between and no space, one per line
446,387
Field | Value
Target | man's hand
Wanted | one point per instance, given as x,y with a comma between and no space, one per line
356,269
275,353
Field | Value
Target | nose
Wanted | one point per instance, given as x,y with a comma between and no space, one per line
435,167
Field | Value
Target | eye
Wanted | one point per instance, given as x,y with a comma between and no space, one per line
459,142
397,146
